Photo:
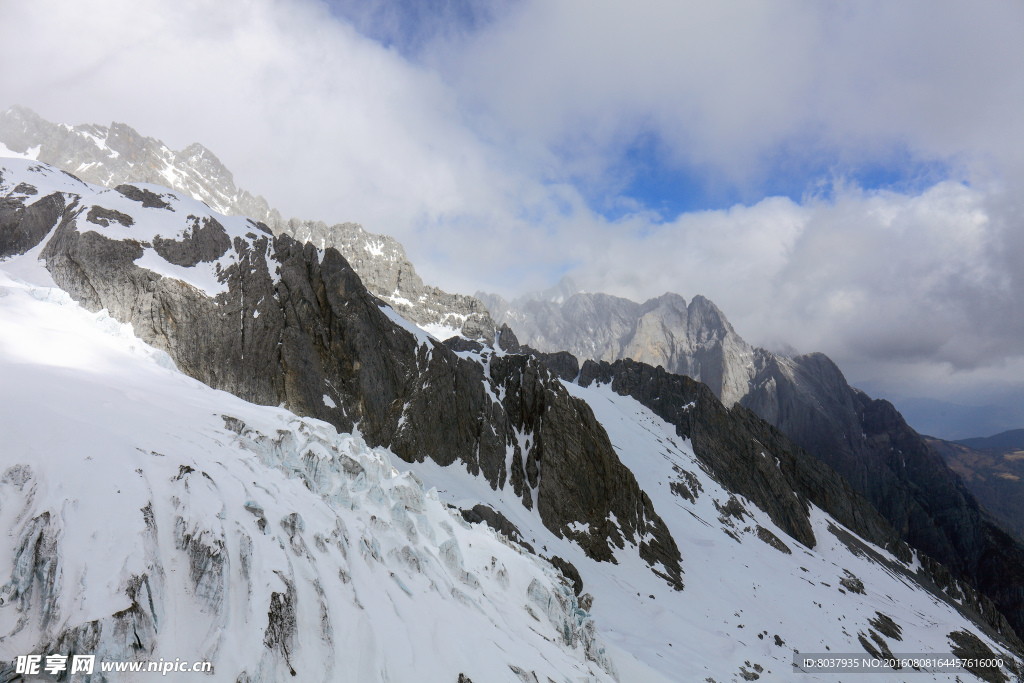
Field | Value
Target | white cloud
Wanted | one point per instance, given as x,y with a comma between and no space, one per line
474,155
324,122
723,84
874,279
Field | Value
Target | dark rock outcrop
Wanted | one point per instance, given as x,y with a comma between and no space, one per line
562,363
497,521
23,227
148,198
570,572
103,217
201,244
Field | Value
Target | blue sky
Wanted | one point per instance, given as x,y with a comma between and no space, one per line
671,189
411,25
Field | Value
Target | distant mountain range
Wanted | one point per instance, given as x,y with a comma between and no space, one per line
1012,440
993,469
955,421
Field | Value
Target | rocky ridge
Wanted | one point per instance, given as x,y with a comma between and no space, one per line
695,340
117,155
384,268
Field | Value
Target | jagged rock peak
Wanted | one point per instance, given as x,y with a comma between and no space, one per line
705,318
118,155
385,270
694,340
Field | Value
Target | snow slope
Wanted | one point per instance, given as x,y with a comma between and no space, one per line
748,606
148,516
163,215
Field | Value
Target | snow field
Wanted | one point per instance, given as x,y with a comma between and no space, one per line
150,516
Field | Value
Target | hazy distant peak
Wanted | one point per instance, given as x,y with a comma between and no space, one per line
1011,439
561,292
203,160
16,125
708,318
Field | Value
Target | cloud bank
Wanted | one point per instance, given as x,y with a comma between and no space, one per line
856,168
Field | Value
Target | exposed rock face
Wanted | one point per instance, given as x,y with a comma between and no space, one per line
21,227
117,156
296,327
694,340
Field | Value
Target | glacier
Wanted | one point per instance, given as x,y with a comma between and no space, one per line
148,516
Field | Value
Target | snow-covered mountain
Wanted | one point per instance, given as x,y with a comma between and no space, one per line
268,528
114,155
807,397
